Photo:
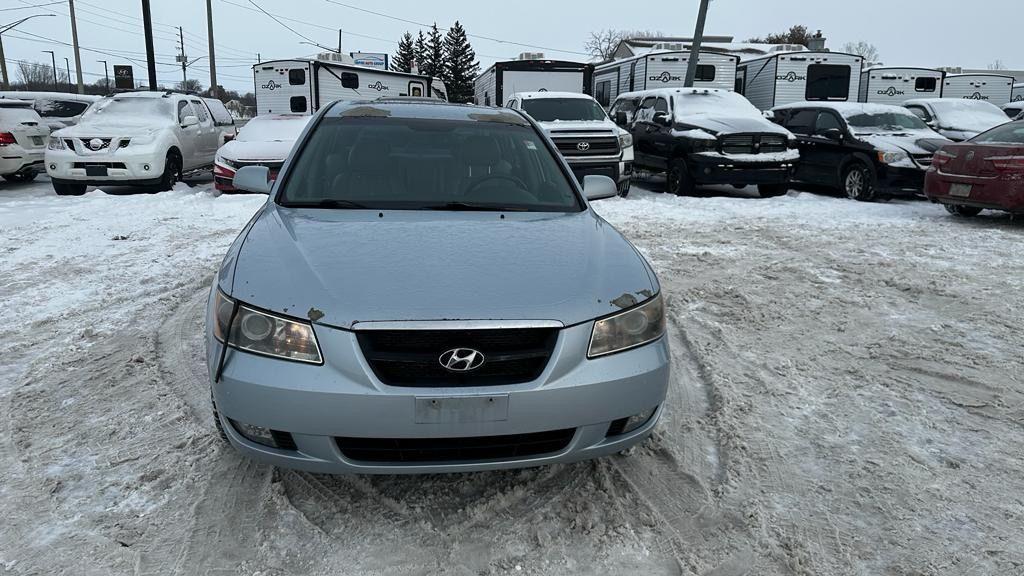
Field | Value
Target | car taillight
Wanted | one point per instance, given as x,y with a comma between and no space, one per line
1007,163
942,158
223,171
6,138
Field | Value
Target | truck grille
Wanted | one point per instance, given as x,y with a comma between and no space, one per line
412,358
584,146
400,450
753,143
923,160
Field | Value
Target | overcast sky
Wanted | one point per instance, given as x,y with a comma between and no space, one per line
917,32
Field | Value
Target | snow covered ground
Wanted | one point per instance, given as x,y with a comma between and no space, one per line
848,399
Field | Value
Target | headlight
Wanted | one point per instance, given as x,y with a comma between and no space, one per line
629,329
56,144
625,140
225,162
892,157
264,333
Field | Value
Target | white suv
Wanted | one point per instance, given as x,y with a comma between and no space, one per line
22,141
134,139
588,140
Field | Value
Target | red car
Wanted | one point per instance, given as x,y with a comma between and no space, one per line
986,172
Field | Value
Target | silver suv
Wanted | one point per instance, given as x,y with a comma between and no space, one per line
427,289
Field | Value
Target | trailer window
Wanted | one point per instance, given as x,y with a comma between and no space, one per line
298,104
925,85
297,76
350,80
602,92
705,73
828,82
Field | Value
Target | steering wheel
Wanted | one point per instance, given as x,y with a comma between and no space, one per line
473,187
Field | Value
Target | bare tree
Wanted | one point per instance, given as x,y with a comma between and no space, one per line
862,49
603,43
997,65
36,76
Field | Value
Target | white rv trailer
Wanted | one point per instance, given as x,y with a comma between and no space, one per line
784,78
897,84
302,86
503,79
1018,93
993,88
663,69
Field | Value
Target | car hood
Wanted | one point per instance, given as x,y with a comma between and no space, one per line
342,267
246,151
596,125
108,129
912,141
730,125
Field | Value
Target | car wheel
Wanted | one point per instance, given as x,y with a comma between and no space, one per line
624,188
858,182
68,189
172,173
772,190
963,211
216,420
679,180
25,176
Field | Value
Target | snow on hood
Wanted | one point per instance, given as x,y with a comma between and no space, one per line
731,124
578,125
122,126
354,266
911,141
968,115
246,151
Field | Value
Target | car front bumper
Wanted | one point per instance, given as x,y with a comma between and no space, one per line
987,193
317,405
899,180
14,159
716,170
119,167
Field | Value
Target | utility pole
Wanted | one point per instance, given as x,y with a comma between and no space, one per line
78,56
209,40
339,40
67,64
698,39
3,61
106,73
147,23
53,59
183,59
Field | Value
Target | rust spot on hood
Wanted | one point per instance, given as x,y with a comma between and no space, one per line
314,315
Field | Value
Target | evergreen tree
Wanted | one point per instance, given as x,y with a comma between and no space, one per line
461,67
433,60
403,59
421,51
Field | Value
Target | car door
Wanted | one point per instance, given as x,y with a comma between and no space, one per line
801,121
661,135
642,128
188,136
209,134
831,142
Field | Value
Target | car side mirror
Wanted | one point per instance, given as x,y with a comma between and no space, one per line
253,179
833,134
597,187
662,118
189,121
620,118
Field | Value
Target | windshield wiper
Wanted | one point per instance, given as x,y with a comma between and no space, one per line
471,207
328,204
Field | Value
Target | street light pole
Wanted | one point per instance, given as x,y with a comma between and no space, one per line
106,73
3,61
698,39
67,64
53,59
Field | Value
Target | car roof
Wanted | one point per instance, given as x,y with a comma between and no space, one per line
668,92
33,95
844,107
12,103
422,108
542,95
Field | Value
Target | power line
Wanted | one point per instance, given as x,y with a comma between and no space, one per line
28,7
45,39
272,17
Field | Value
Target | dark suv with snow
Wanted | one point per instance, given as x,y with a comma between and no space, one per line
705,136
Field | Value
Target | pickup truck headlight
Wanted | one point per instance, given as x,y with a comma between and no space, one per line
56,144
892,157
625,140
266,334
634,327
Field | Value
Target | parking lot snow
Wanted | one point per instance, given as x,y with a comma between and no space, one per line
847,399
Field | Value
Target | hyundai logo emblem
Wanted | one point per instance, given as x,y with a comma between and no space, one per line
462,360
583,146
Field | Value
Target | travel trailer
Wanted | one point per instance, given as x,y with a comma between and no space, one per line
897,84
304,86
663,70
1018,93
531,73
993,88
785,78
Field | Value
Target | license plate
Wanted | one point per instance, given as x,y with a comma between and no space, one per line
960,190
95,170
37,140
461,410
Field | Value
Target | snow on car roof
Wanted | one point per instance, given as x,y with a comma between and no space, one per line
545,95
18,94
847,109
12,103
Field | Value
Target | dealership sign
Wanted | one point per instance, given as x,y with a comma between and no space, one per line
370,60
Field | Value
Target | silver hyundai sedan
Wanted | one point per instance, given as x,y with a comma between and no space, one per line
428,290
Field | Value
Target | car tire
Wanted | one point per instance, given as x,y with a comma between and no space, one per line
216,419
678,180
172,173
962,211
68,188
772,190
859,182
624,188
25,176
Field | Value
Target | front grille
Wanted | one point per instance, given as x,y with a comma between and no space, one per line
595,146
402,450
115,165
923,160
412,358
104,144
271,165
753,144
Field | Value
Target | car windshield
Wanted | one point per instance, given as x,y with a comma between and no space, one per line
273,129
139,107
698,102
885,122
964,114
565,109
427,164
1005,134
